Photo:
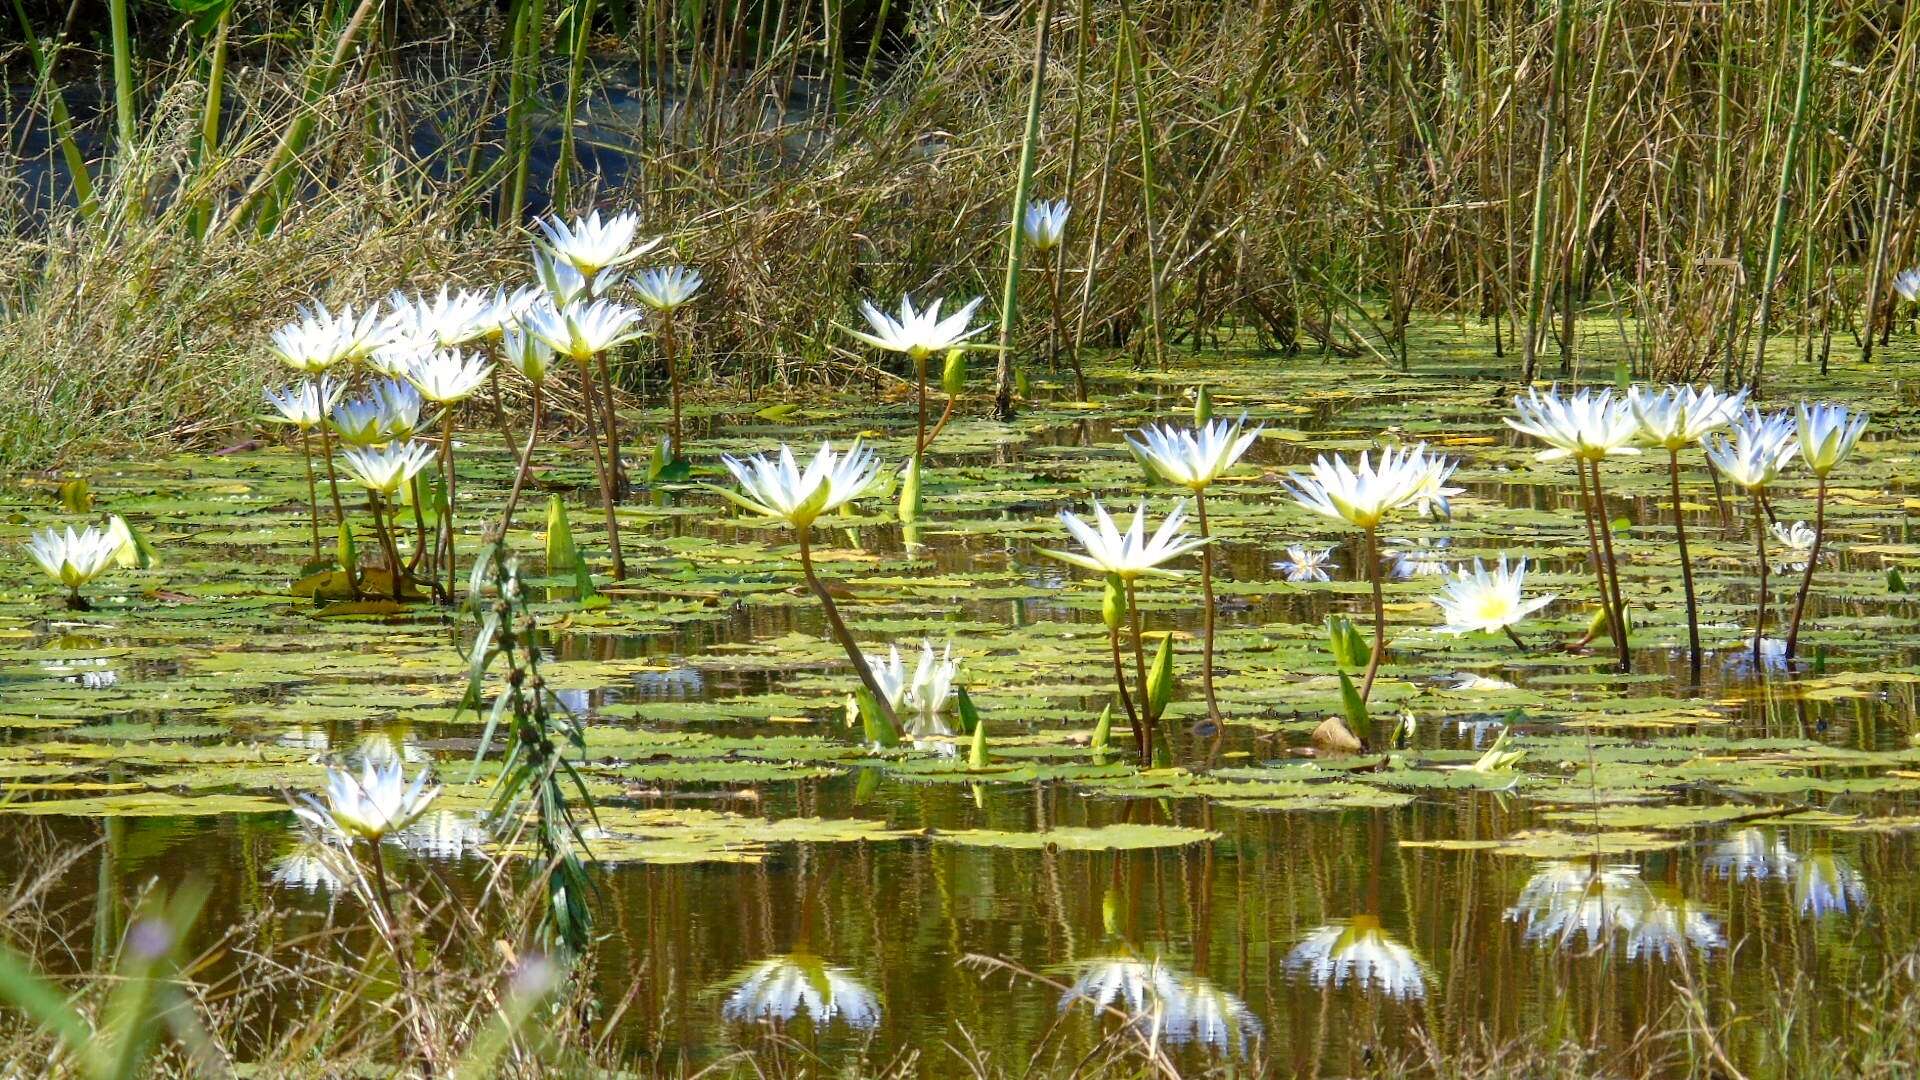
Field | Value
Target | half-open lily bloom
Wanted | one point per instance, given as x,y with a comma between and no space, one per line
318,339
1679,416
1193,458
1487,602
1796,543
1827,435
1304,564
360,422
580,330
591,244
776,487
783,987
527,354
304,406
71,558
1363,952
1131,554
1365,495
370,805
1907,284
1755,450
448,319
1045,223
919,698
387,469
401,404
1587,426
448,376
919,334
665,288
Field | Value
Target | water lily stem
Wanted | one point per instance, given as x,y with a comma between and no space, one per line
1206,597
1147,717
1515,638
842,635
606,480
667,350
1120,682
526,461
1593,552
616,473
333,481
1613,569
396,940
313,492
1054,267
1760,547
446,516
1813,559
920,392
1379,653
1686,565
387,546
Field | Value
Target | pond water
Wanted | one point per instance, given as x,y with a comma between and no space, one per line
1659,840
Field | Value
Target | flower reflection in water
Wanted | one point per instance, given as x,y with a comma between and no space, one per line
1600,904
314,866
1752,855
1827,884
1180,1008
1359,950
780,988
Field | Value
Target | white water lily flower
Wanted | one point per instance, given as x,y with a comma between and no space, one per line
1193,458
504,309
1131,554
918,697
560,284
400,405
777,488
1826,884
919,334
448,319
1045,223
360,422
304,406
1752,855
448,376
1756,449
1679,416
1363,496
1419,558
1362,952
318,339
370,805
665,288
1907,284
1304,564
1487,602
71,558
1433,497
527,354
783,987
1587,426
591,244
388,469
1827,435
580,330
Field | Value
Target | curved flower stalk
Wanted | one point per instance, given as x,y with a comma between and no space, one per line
1588,428
776,487
664,290
383,472
1488,602
1364,497
448,377
781,988
1674,419
1305,564
1826,435
532,357
1045,226
920,696
1362,952
1751,457
1124,558
918,334
74,559
305,407
1194,459
584,331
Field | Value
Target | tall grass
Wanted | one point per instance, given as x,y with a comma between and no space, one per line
1312,173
